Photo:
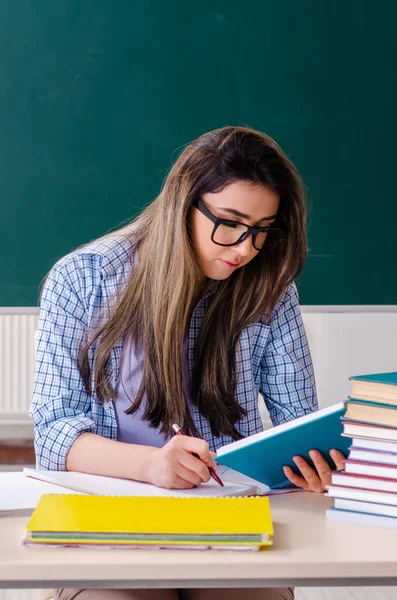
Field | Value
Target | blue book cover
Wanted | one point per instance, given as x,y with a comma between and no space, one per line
383,378
263,455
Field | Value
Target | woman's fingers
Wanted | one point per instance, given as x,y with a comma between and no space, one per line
187,474
338,459
316,479
296,479
178,483
194,465
312,478
191,444
322,467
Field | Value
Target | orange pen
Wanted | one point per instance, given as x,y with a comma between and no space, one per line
213,474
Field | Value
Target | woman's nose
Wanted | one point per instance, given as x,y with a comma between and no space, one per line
246,247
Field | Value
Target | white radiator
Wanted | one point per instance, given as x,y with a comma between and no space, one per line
20,595
16,363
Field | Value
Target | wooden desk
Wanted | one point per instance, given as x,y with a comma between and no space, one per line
308,551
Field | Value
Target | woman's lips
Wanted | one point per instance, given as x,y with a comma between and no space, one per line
229,264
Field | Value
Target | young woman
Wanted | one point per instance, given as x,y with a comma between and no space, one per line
183,316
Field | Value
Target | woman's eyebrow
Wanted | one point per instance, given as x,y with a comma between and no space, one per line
237,213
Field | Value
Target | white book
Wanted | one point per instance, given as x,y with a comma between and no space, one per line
235,484
373,456
364,482
334,491
355,429
366,507
347,516
366,468
373,444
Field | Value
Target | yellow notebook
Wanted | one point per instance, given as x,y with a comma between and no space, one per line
132,520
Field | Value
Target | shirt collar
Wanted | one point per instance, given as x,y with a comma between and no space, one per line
209,288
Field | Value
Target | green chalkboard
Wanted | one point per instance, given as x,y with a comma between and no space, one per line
96,97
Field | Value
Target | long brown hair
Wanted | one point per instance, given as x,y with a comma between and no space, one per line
156,303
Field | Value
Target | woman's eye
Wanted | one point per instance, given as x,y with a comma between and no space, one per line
231,225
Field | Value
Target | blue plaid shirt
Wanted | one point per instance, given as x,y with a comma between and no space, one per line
275,358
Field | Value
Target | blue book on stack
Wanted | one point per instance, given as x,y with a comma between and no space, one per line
262,456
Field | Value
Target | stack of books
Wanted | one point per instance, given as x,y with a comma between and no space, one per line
232,523
366,491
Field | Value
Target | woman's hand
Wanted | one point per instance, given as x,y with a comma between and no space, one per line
175,467
310,479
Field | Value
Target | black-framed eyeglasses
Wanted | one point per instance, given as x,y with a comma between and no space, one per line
230,233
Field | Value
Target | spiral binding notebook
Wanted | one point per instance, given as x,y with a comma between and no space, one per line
242,523
235,484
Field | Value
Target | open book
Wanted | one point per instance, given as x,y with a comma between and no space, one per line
263,455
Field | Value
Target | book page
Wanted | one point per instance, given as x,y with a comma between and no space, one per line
231,476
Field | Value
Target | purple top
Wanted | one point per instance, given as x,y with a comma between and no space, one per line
131,428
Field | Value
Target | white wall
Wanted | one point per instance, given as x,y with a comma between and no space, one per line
347,341
344,341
